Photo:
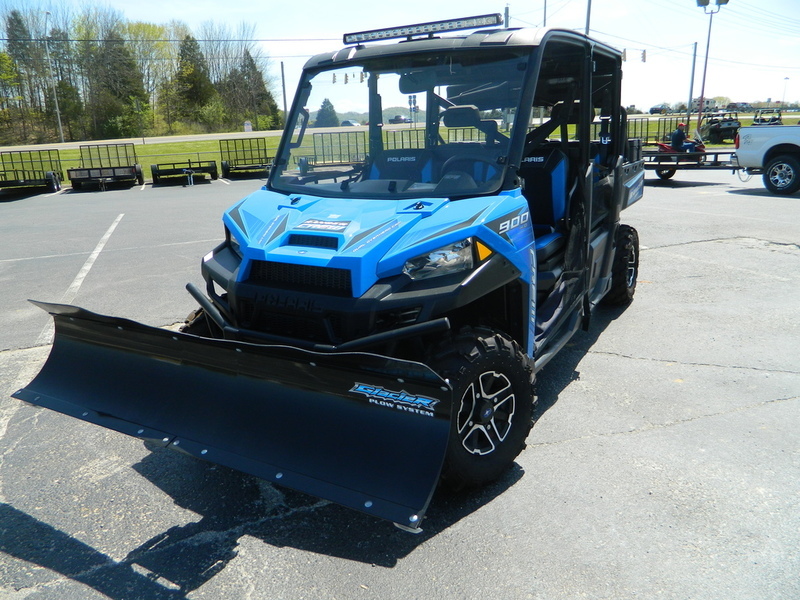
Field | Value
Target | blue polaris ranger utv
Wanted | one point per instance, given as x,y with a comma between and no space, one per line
373,321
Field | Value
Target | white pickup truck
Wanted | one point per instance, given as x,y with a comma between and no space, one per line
773,152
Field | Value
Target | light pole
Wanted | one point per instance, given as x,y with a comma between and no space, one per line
589,14
711,13
52,78
783,99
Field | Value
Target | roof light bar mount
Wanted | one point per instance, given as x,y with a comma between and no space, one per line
423,29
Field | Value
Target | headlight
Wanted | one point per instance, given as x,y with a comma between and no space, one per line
443,261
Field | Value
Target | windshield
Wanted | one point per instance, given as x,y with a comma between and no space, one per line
416,125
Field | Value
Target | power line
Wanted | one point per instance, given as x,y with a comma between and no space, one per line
648,45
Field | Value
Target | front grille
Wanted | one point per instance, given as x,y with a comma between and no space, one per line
302,277
306,328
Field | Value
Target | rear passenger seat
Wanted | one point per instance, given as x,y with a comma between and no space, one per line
544,173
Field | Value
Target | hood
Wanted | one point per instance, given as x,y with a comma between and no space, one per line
369,238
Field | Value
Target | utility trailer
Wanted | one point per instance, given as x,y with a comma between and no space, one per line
186,169
666,164
371,329
244,155
106,163
31,168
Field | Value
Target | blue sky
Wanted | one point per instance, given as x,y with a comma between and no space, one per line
755,45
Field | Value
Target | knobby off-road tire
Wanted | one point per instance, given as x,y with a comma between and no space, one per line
625,269
782,175
493,405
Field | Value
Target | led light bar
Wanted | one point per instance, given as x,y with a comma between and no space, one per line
407,31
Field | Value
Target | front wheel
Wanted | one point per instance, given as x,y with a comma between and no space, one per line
782,175
493,412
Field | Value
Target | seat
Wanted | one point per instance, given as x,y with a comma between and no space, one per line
544,175
409,164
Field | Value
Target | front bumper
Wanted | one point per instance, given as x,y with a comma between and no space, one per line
316,308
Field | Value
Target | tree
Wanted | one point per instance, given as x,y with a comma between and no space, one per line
9,98
28,57
110,74
245,93
62,69
120,90
326,116
194,85
70,106
152,52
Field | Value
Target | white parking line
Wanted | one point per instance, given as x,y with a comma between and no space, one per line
46,337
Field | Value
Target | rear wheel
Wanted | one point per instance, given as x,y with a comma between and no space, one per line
782,175
154,173
625,269
493,405
665,173
139,174
226,169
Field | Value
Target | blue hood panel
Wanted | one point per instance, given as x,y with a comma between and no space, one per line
370,238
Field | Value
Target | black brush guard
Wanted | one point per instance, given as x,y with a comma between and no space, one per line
362,430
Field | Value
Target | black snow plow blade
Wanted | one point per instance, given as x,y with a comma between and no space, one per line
362,430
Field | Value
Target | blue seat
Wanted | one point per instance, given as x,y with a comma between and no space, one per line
544,174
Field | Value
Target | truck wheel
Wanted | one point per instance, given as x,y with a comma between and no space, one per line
782,175
625,268
53,183
665,173
493,405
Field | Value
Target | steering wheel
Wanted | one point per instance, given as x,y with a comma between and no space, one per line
471,158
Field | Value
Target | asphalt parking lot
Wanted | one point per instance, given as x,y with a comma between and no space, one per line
665,462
